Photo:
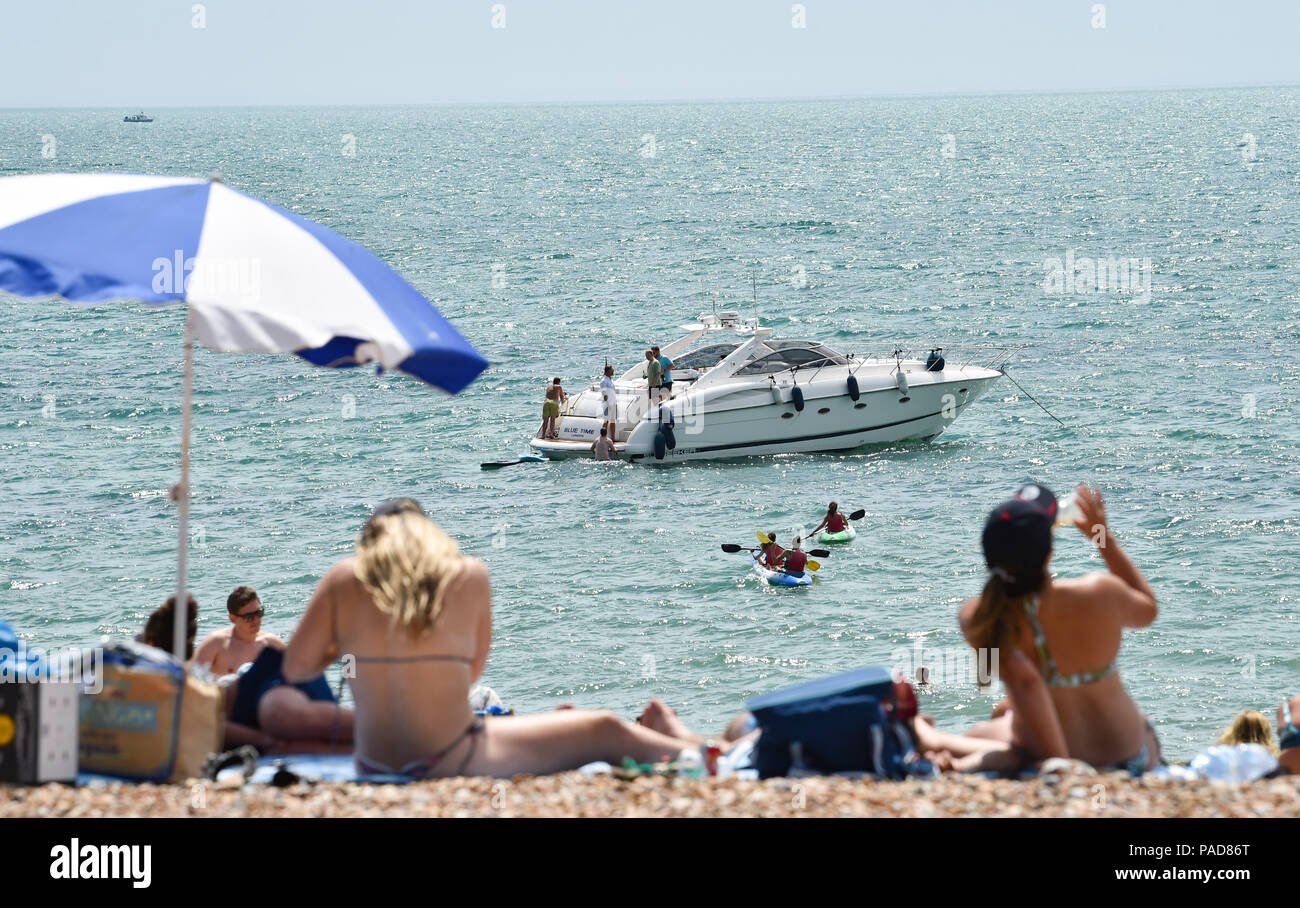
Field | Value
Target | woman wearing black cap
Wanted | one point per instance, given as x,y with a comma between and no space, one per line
1070,629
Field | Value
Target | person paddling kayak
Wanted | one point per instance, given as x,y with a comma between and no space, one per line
770,552
833,521
795,560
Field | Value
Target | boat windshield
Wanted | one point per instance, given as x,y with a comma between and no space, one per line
790,355
821,349
704,357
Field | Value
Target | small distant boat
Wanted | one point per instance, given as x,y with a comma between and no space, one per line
141,117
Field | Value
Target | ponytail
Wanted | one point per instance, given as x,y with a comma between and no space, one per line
996,621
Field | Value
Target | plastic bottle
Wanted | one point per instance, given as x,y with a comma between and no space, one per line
690,763
1067,510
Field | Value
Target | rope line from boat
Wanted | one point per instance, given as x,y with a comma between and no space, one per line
1006,372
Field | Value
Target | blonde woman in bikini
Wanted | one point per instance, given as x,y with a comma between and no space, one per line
411,619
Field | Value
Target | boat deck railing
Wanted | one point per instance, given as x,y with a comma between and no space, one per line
959,356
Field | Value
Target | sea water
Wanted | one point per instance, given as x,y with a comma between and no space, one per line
1142,246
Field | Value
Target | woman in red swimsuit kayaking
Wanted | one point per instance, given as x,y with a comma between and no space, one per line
833,521
770,553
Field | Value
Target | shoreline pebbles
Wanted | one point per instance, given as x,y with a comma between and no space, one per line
576,795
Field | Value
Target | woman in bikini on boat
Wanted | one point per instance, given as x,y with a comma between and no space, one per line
1069,630
411,619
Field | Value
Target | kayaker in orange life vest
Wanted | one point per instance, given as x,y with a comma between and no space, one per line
833,521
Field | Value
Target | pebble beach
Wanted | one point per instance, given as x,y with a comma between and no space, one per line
575,795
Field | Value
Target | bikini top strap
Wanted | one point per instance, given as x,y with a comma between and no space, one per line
425,657
1040,641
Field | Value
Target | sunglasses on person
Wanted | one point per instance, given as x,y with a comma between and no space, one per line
252,616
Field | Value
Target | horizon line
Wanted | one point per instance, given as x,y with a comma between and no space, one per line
902,95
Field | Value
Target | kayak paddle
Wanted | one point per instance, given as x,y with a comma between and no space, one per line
732,548
498,464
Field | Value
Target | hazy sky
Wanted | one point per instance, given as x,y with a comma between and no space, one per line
148,53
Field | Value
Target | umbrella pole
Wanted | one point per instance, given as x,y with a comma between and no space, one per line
181,493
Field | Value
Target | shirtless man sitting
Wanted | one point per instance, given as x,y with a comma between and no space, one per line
225,650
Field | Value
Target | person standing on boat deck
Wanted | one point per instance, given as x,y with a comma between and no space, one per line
551,409
602,448
833,521
665,372
609,397
653,378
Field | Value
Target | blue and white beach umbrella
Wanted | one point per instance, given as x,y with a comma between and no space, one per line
255,279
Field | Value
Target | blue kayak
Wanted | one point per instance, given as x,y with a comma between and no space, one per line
780,578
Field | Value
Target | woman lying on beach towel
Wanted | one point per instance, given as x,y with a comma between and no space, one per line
1068,630
411,619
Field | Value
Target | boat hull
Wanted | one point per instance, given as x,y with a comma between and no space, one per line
765,421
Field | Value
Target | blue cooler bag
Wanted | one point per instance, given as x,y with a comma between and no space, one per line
838,724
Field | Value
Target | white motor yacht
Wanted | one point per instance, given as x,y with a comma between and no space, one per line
739,391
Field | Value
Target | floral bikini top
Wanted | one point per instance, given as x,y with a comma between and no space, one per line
1050,673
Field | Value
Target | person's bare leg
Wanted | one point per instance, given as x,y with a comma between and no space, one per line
998,729
563,740
739,728
661,717
285,713
930,738
1002,758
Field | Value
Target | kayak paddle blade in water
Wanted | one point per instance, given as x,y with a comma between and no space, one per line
498,464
